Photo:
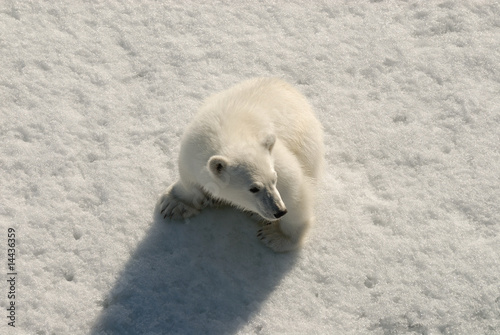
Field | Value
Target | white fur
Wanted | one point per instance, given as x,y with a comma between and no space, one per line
241,140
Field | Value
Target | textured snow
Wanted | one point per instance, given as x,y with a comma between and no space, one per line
94,97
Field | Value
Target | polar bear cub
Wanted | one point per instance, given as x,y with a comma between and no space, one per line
259,147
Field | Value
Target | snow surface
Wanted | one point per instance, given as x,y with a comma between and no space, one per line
95,95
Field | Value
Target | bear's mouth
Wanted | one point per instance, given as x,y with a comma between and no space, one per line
274,213
273,217
260,217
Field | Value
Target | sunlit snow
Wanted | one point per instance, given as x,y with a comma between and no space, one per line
94,97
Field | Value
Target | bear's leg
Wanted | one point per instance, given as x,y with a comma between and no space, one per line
288,233
285,234
180,202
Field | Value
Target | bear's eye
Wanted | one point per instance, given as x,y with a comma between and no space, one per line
254,189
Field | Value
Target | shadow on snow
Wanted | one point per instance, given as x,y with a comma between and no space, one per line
208,276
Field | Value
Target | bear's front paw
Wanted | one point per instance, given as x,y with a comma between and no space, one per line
173,208
272,236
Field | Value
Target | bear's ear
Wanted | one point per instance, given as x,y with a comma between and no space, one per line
217,165
269,141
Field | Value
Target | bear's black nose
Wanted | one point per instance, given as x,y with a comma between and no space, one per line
280,214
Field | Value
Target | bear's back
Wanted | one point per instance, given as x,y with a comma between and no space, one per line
251,109
294,122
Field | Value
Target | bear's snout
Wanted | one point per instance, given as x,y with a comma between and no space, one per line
280,213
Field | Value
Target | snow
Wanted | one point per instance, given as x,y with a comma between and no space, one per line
94,98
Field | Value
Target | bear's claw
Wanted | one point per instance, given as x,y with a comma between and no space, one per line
174,209
273,237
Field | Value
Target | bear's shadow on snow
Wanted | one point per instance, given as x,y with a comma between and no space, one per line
208,276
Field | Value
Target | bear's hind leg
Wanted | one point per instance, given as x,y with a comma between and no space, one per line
178,202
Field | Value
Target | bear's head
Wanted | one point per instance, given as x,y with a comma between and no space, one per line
245,177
